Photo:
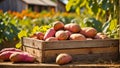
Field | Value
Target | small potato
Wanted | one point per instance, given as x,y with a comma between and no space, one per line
58,25
51,39
101,36
63,58
77,36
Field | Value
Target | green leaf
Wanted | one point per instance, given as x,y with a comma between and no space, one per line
35,29
92,22
95,8
83,3
105,4
68,6
22,33
18,45
113,24
78,10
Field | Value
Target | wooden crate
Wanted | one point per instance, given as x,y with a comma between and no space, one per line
89,50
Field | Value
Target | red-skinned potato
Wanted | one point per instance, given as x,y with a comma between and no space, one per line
77,36
40,35
101,36
61,35
5,55
21,57
68,32
73,27
89,32
58,25
49,33
37,35
51,39
10,49
63,58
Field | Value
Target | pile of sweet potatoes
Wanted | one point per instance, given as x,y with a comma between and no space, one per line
15,55
71,31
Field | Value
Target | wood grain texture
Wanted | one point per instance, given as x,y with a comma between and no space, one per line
84,54
71,65
89,50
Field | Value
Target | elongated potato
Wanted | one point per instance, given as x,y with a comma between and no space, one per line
5,55
50,33
10,49
21,57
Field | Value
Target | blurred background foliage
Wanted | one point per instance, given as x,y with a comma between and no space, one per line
100,14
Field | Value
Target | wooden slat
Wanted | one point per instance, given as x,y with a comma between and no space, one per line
82,51
35,52
32,42
79,44
84,54
71,65
69,44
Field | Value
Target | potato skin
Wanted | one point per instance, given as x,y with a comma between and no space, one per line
73,27
77,36
58,25
10,49
21,57
5,55
63,58
51,39
50,33
89,32
101,36
61,35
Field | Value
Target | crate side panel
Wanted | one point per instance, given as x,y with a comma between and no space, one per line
79,44
35,52
79,54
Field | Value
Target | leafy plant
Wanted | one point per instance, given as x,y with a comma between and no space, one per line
8,29
103,14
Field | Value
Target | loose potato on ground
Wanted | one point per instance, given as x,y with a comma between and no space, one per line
63,58
5,55
10,49
21,57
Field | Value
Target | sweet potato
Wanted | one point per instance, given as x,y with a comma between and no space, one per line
89,32
58,25
51,39
50,33
68,32
73,27
77,36
61,35
6,54
101,36
21,57
10,49
63,58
